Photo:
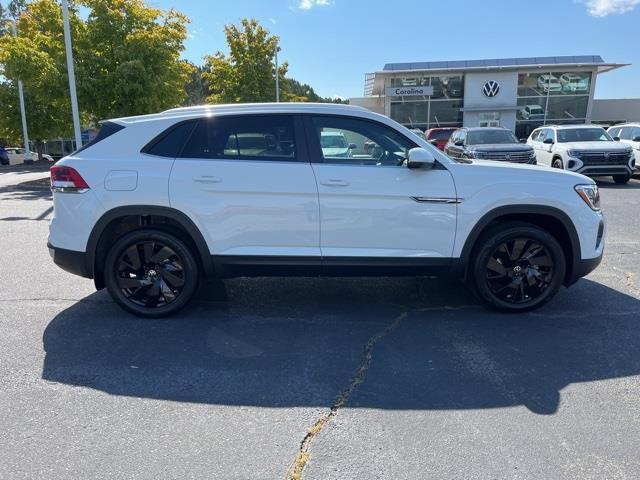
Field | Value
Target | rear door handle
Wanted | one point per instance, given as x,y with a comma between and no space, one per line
334,182
207,179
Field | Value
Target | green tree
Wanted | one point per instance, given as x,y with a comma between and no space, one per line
37,57
196,88
247,73
129,60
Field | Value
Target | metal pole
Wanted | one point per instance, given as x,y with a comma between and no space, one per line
23,113
277,77
72,75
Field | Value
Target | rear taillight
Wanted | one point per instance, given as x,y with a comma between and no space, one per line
67,180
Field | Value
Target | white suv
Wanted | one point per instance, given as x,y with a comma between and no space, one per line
157,203
628,133
586,149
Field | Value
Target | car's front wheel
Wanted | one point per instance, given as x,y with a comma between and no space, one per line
518,267
621,179
151,273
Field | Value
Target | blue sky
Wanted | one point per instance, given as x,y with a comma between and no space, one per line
330,44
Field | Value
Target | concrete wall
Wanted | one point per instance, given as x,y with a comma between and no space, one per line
375,104
616,110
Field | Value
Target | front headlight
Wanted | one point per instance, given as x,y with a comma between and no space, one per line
573,153
590,195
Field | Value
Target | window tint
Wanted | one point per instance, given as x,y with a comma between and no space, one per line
351,141
614,131
583,135
624,133
485,137
170,143
260,137
106,130
635,133
266,137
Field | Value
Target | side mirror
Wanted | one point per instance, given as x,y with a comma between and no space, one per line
548,141
523,140
616,139
352,146
636,139
420,158
433,142
458,143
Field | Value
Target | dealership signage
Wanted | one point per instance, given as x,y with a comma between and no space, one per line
491,88
425,91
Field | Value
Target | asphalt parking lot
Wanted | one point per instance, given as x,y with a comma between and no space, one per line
424,383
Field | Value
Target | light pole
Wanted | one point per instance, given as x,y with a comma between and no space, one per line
72,75
23,113
277,75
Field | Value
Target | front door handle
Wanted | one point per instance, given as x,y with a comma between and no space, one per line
334,182
207,179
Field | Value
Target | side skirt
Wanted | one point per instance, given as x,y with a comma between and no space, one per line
229,266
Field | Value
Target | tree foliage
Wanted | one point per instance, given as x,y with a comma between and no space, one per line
129,61
247,73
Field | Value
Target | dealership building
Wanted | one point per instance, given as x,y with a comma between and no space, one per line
516,93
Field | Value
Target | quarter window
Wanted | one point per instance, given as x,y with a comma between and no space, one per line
349,141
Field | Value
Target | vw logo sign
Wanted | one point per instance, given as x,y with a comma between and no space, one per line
491,88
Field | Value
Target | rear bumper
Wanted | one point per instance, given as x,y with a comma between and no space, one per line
69,260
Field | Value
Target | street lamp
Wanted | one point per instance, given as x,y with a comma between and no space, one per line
72,75
23,114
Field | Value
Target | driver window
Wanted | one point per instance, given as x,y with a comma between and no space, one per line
349,141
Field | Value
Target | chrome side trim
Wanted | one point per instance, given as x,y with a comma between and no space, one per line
437,200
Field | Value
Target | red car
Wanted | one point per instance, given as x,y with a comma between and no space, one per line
439,136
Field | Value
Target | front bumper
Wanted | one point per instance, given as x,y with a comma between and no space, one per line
69,260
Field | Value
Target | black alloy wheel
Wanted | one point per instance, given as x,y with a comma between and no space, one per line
557,163
621,179
519,270
151,273
518,267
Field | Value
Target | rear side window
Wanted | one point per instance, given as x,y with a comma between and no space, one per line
106,130
259,137
171,141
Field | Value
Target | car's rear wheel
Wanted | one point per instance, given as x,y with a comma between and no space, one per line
621,179
151,273
518,267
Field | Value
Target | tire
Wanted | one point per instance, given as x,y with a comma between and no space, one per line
151,273
557,163
621,179
517,267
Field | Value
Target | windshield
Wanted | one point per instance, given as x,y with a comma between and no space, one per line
333,141
486,137
583,135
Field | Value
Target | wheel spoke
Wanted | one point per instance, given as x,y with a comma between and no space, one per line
134,256
543,261
167,293
519,246
162,254
495,266
148,248
172,279
153,295
130,282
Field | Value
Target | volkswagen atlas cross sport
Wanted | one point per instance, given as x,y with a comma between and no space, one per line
156,204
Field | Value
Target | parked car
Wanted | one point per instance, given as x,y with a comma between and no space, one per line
488,143
549,83
438,88
16,155
334,144
454,87
628,133
532,112
4,157
439,137
586,149
153,205
572,83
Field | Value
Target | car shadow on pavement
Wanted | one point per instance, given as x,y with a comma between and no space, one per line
297,342
633,184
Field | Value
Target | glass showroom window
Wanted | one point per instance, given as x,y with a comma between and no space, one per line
445,113
412,113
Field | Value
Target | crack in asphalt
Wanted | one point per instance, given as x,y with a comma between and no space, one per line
296,468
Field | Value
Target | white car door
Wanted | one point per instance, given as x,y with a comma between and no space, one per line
544,151
247,182
372,205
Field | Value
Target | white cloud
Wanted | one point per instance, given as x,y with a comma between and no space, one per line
602,8
309,4
273,21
